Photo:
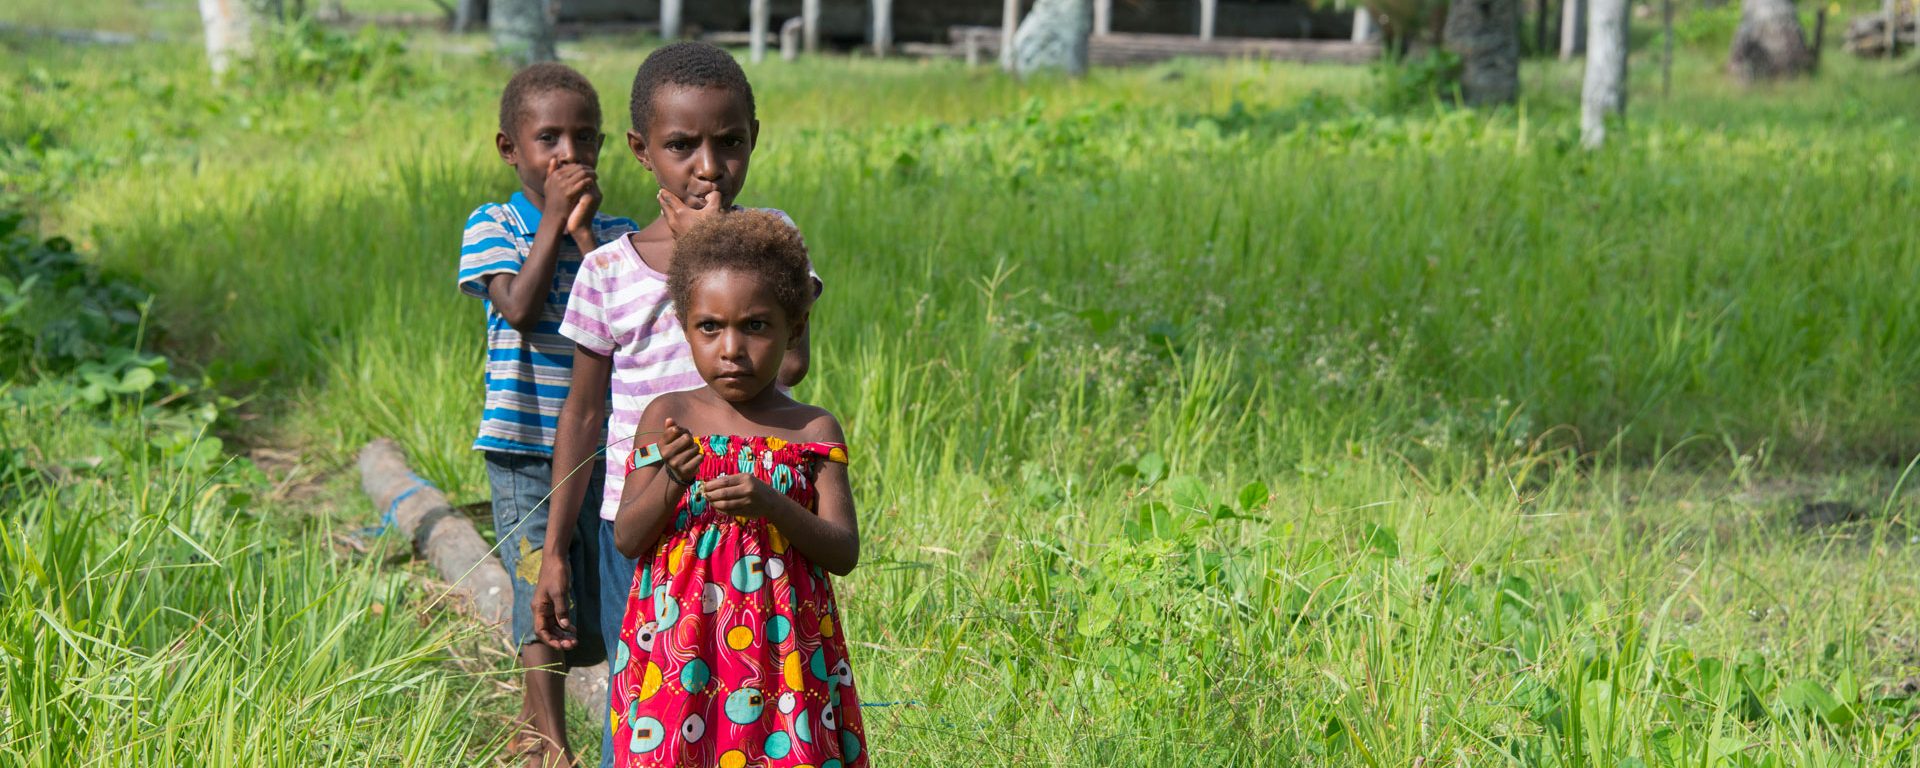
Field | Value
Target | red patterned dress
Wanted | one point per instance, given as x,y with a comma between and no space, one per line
731,653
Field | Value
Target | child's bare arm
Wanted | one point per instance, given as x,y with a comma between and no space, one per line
829,536
577,437
521,298
651,493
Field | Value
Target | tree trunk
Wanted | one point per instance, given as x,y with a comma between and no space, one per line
1364,30
1054,37
522,30
1485,35
1603,97
1009,22
1769,44
466,13
882,27
1541,24
670,19
1573,28
231,26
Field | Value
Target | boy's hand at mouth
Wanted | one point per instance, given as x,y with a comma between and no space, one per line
681,217
572,191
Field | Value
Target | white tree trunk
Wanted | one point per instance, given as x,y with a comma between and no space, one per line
669,19
810,25
1364,30
230,27
1769,43
1573,28
757,13
1604,95
522,30
1209,11
1103,17
1054,36
882,27
1009,22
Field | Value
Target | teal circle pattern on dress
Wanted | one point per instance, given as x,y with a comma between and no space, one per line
620,658
782,479
802,728
749,574
647,735
746,459
709,540
818,663
666,608
694,676
719,444
778,745
849,746
834,763
778,627
744,705
697,498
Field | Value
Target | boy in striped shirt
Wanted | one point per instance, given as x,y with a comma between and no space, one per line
521,258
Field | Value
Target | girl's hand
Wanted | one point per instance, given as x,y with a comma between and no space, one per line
680,453
681,218
741,495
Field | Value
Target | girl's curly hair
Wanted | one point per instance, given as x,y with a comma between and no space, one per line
753,242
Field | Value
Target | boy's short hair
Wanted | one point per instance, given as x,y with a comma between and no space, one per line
754,242
688,64
537,79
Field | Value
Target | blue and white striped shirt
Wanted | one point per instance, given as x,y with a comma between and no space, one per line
527,374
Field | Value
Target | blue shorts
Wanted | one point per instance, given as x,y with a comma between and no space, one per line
520,488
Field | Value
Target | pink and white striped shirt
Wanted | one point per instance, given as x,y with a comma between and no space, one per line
620,308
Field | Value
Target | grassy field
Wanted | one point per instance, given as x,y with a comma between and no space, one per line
1204,413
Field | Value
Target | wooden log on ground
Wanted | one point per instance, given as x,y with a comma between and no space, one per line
454,547
1132,48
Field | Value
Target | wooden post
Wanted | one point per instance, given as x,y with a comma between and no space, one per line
1208,10
1009,21
882,27
810,25
757,26
1103,17
970,45
790,39
669,19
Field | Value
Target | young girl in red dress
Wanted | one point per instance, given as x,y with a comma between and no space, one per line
732,652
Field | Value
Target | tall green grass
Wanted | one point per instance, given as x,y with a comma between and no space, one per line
1200,413
158,614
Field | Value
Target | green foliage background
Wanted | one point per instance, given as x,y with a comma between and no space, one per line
1203,412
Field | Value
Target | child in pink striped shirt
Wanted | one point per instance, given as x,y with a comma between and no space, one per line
694,128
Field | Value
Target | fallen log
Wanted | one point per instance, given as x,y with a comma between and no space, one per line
456,550
1136,48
